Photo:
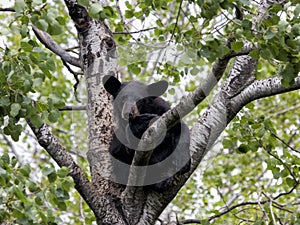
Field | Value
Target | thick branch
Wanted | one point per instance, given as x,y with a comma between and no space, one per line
46,40
261,89
62,157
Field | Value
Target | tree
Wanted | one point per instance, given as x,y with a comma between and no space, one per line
247,50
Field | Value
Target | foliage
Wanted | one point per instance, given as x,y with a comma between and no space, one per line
26,199
259,156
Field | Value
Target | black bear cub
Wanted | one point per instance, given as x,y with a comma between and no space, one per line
136,107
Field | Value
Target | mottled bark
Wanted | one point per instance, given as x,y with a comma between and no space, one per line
98,56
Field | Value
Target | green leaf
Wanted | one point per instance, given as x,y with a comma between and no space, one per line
51,64
4,101
18,214
61,20
227,143
53,116
288,74
19,6
67,184
41,24
55,100
237,46
159,23
62,206
276,8
129,14
14,161
38,200
194,71
36,120
95,9
55,28
297,11
52,177
48,170
83,2
20,195
265,53
37,2
134,69
25,170
63,172
14,109
33,187
247,24
296,29
243,148
269,35
284,173
5,158
254,54
26,46
290,182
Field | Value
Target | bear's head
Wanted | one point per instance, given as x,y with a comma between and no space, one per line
130,97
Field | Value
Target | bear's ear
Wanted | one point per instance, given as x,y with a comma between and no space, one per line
158,88
111,84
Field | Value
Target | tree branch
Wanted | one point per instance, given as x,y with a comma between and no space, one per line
7,10
46,40
72,108
62,157
261,89
12,147
177,18
135,32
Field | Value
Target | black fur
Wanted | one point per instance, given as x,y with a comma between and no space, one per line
136,106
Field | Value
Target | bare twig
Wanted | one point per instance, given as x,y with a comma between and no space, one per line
188,221
12,147
76,78
263,210
7,10
284,164
176,23
71,49
287,193
271,208
65,57
123,20
282,141
293,135
274,156
72,108
278,113
135,32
